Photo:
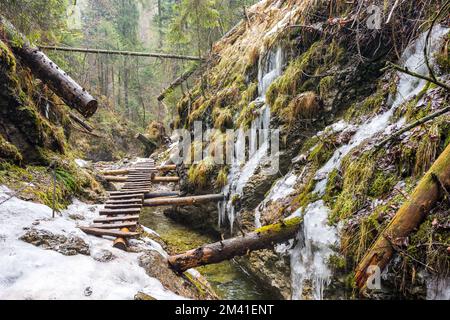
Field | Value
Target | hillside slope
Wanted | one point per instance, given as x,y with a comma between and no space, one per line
315,70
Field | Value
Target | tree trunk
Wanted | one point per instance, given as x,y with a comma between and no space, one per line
123,53
176,83
82,123
150,146
408,218
183,201
45,69
262,238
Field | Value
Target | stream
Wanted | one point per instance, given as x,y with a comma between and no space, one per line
229,280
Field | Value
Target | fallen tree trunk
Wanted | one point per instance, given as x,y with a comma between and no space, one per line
184,201
149,145
176,83
82,123
262,238
408,218
123,53
45,69
161,195
412,126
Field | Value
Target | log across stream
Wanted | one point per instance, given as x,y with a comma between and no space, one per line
229,280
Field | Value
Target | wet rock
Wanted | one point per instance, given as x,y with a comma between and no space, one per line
271,269
76,216
68,246
143,297
263,179
156,266
201,217
88,292
103,255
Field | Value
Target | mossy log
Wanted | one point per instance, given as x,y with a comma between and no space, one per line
183,201
262,238
408,218
45,69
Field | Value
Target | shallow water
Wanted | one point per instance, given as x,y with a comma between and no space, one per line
228,279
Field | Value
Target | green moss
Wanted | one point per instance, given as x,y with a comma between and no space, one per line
337,262
326,84
7,58
357,174
278,227
199,174
306,194
371,105
281,103
222,178
9,152
248,95
334,186
321,153
223,119
382,184
247,115
319,58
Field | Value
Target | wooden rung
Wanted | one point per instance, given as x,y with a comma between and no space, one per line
114,225
126,201
110,212
117,219
122,192
137,189
122,206
138,183
112,233
137,192
127,196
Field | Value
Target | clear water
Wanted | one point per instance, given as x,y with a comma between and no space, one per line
228,279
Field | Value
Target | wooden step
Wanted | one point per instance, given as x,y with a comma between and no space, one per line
137,191
123,206
127,201
114,225
117,219
111,233
122,192
111,212
138,188
125,196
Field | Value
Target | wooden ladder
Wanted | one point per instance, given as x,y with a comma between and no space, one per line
121,213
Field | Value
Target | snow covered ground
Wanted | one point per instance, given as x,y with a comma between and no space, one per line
30,272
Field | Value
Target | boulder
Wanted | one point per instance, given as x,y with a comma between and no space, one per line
67,245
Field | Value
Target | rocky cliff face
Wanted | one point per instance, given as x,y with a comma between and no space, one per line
315,71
